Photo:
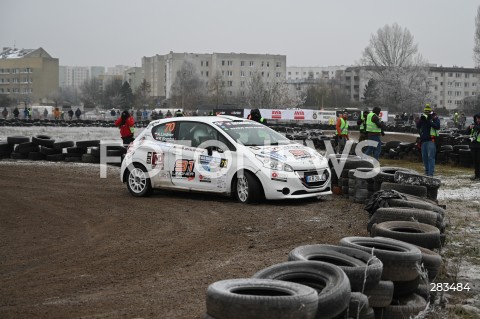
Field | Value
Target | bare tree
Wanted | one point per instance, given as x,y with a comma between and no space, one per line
90,92
142,94
216,89
187,89
256,90
476,48
398,68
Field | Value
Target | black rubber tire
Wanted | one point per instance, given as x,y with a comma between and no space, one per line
365,184
95,151
394,202
87,143
247,188
431,262
415,233
420,191
138,182
403,214
63,144
362,270
88,158
330,282
36,156
359,307
113,153
405,288
255,298
26,148
380,295
43,140
55,157
74,159
401,261
18,156
50,151
6,147
387,173
401,308
18,139
76,150
362,194
416,179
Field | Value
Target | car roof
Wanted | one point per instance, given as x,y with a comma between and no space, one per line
204,119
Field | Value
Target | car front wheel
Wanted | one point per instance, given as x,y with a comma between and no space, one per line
138,182
247,188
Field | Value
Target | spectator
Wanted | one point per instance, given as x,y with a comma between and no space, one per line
56,113
78,113
45,113
341,131
70,114
16,112
256,116
160,114
461,121
474,130
428,124
169,114
362,124
5,112
29,113
113,113
178,113
375,130
25,113
126,124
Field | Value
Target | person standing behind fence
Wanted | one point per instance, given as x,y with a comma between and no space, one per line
428,124
126,124
45,114
362,124
341,130
16,112
70,114
375,130
5,112
78,113
474,129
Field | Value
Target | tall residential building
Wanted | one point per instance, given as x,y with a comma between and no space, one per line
28,75
117,69
134,77
234,69
313,73
449,86
75,76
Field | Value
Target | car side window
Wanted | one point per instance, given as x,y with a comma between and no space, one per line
164,132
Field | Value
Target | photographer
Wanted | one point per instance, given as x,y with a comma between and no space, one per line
428,124
126,122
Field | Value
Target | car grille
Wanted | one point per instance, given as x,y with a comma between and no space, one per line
303,176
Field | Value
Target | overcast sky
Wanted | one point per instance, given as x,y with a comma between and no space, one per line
308,32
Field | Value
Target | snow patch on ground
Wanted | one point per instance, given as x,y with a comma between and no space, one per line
458,188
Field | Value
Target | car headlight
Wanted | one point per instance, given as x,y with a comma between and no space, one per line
270,163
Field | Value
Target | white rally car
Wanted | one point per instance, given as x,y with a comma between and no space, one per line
225,155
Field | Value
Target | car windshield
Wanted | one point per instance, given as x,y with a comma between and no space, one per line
252,134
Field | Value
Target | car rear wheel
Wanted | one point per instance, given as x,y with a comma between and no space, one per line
247,188
138,182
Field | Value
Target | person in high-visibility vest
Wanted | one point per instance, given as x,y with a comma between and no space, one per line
455,118
475,145
428,124
256,116
375,128
341,131
362,124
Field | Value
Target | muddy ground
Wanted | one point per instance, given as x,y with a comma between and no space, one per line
78,246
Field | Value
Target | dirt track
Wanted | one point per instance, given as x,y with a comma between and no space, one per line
77,246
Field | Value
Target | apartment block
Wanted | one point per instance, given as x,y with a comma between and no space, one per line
75,76
28,75
295,73
449,86
234,69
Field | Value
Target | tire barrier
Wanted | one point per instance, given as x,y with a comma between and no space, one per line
363,270
254,298
331,283
44,148
416,233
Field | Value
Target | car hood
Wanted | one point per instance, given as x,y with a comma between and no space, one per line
299,157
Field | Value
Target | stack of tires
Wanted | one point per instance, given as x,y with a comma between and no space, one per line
343,183
387,174
43,147
401,277
364,184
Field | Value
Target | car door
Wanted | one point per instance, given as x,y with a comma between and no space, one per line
195,163
157,154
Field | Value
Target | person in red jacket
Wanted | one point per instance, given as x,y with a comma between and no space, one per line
126,122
